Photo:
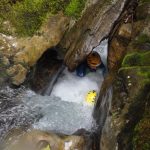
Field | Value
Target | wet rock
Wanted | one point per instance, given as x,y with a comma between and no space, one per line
7,51
5,61
125,31
142,131
94,25
121,39
145,46
125,112
18,74
31,139
116,50
45,70
128,110
26,51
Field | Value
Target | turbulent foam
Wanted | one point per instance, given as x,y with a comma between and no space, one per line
73,88
65,110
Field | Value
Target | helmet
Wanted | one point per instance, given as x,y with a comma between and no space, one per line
93,60
91,97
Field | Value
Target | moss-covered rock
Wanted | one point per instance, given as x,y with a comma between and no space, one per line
75,8
127,126
27,16
32,140
136,59
141,138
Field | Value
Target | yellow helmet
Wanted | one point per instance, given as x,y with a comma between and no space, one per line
91,97
93,60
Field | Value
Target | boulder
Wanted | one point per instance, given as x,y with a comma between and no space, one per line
30,140
95,24
17,73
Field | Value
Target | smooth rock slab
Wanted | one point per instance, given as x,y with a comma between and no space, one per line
30,140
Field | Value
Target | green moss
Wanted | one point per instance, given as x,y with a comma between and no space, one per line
141,138
75,8
144,1
136,59
143,38
144,72
28,15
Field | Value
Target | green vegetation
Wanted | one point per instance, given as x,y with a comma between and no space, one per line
140,64
136,59
75,8
141,139
144,72
4,8
30,14
26,16
143,38
144,1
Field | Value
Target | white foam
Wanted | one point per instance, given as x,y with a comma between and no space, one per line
72,88
65,109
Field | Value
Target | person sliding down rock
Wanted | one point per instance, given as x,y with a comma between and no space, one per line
92,63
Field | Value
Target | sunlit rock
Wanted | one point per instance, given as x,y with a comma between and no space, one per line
5,61
50,34
30,140
18,74
95,24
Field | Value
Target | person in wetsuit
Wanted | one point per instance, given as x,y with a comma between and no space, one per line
91,64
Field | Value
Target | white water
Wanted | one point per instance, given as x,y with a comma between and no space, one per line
102,51
65,110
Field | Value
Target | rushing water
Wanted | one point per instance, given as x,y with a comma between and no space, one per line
65,110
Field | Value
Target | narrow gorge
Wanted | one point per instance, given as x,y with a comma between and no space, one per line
46,81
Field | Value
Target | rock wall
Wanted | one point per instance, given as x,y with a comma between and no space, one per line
129,61
95,24
25,52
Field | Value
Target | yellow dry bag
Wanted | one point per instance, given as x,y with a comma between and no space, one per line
91,97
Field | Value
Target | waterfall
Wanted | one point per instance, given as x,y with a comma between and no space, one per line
101,111
101,49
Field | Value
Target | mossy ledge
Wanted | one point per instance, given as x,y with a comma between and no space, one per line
27,16
136,59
